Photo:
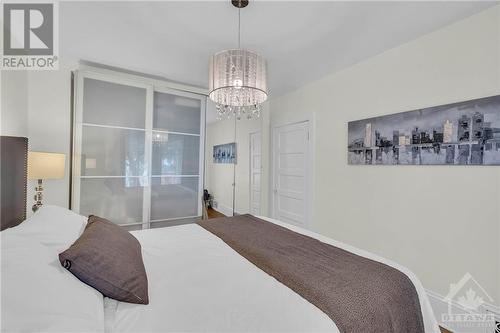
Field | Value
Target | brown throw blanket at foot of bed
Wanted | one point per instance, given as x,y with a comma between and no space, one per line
358,294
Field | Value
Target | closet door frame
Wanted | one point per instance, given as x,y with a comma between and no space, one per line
150,85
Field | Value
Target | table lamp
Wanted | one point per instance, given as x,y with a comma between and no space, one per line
44,166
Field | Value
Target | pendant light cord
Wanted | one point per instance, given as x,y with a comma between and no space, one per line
239,28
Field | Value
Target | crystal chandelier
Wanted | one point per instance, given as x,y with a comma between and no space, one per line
237,79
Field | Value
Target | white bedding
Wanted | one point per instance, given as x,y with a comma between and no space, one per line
37,294
198,283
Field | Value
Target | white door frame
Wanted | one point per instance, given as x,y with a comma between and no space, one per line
250,171
310,166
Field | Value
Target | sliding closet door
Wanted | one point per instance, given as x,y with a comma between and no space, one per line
111,149
177,156
138,151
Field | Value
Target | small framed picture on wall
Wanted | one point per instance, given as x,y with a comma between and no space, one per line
225,153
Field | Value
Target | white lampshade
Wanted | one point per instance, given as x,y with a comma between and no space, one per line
45,165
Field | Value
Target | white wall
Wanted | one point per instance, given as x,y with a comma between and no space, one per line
219,177
36,104
49,125
14,103
440,221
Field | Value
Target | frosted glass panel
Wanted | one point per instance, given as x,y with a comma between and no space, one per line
112,152
175,154
107,103
137,148
176,113
174,197
116,199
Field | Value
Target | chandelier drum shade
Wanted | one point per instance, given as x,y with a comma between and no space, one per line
237,80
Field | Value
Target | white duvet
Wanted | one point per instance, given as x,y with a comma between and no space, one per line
198,283
37,293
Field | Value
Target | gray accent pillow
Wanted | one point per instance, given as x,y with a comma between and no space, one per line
109,259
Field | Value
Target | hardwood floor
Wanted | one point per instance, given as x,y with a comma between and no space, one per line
213,214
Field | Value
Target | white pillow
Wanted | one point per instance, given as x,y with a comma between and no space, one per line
39,295
52,226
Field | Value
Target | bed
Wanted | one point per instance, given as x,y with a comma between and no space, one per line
197,282
240,297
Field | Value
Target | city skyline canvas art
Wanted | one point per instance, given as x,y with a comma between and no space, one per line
464,133
225,153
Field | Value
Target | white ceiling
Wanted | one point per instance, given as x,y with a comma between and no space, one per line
302,41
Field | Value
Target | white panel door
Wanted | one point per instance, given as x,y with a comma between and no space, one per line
290,174
255,172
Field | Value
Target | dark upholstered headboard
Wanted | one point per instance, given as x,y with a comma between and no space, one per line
13,173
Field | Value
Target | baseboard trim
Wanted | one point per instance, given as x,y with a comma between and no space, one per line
439,306
226,210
